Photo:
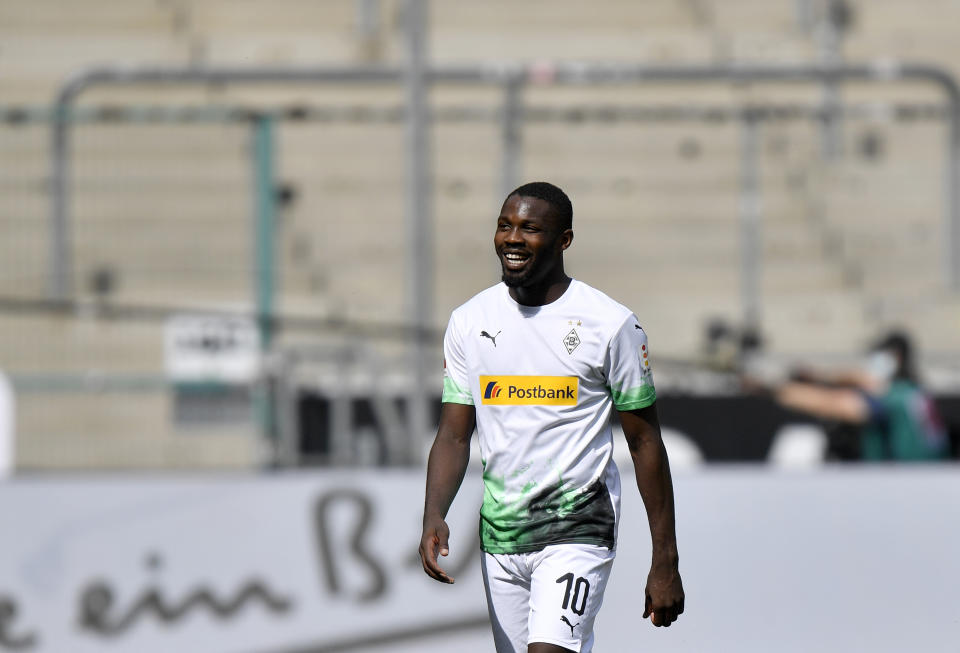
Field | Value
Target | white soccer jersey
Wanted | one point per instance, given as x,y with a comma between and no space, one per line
544,381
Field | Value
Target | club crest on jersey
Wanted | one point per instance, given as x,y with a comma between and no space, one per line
571,341
530,390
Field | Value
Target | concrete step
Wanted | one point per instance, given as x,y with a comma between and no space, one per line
101,17
123,431
51,343
219,17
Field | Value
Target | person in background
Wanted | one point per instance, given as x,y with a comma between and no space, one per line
895,418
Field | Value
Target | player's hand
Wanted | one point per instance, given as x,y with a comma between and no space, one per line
434,540
664,595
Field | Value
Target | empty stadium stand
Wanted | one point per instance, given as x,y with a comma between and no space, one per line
162,211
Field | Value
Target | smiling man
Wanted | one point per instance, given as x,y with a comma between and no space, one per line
538,364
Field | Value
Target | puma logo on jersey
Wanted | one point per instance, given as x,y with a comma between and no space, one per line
493,338
572,626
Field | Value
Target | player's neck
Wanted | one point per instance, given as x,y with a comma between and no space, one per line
546,292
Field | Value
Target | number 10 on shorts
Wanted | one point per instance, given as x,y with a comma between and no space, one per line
581,590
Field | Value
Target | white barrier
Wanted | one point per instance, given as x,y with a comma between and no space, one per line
864,559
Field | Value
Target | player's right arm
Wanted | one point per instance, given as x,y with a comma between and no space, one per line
446,467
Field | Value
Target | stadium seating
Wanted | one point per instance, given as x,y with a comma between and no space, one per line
161,213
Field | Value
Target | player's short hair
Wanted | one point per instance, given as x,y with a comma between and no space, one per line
552,195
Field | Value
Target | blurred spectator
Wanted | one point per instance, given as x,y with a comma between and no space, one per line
882,411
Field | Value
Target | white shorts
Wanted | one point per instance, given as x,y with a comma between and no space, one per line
550,596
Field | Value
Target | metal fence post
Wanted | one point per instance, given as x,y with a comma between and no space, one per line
8,420
751,238
419,227
264,255
512,134
830,35
60,283
264,225
951,221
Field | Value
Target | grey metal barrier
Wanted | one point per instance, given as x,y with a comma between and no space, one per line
513,79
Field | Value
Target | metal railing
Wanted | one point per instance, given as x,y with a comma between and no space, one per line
513,80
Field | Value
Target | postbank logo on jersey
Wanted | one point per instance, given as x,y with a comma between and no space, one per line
529,390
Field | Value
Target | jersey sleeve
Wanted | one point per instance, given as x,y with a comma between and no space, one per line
627,367
456,386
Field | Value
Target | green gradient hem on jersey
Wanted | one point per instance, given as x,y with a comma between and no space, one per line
633,398
552,516
454,394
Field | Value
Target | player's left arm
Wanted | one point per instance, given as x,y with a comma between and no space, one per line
664,592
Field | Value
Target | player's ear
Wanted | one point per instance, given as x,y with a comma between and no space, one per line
566,239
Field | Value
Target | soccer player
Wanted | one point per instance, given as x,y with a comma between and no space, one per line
538,363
